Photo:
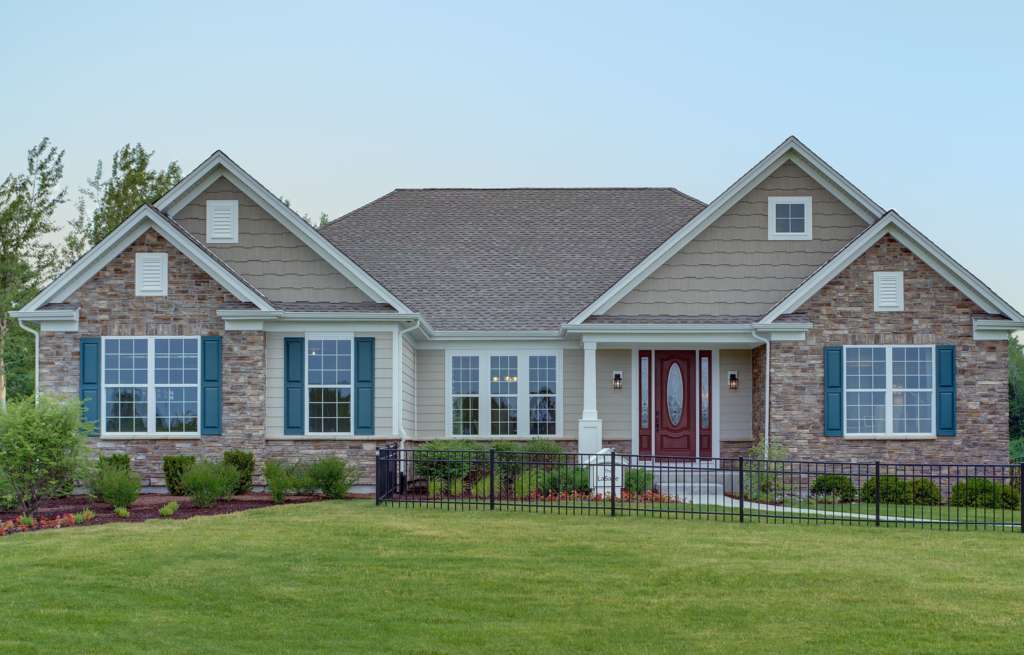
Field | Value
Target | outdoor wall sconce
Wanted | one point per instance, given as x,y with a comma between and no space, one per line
734,381
616,380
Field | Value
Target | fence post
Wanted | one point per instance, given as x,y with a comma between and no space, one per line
613,483
1021,480
741,489
492,477
376,479
878,494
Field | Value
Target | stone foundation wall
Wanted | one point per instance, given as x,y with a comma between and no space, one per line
734,449
935,313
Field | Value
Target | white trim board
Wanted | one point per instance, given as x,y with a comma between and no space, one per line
144,218
220,165
896,226
789,150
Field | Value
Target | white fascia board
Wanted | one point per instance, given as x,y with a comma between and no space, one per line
789,150
995,330
205,174
51,320
280,314
124,235
667,328
896,226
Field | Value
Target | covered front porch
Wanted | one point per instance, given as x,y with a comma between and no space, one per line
681,391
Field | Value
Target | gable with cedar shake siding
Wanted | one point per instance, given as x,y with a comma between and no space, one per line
934,312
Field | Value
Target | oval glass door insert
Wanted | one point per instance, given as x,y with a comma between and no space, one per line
674,394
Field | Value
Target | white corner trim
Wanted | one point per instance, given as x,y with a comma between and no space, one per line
219,164
789,150
131,229
896,226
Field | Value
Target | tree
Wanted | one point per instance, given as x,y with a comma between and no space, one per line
105,203
27,203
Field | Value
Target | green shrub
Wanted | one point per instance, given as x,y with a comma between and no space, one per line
120,460
6,496
278,480
42,449
333,476
245,462
638,480
207,482
565,478
528,483
833,487
115,485
764,480
925,492
982,492
169,509
84,516
448,459
891,489
26,521
544,451
175,467
122,512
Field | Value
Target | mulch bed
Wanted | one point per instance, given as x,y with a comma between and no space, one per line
143,509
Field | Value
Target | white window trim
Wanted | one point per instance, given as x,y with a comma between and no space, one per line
522,395
806,235
889,433
213,204
140,259
336,336
899,291
150,386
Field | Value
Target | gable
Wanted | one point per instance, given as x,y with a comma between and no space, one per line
732,268
267,253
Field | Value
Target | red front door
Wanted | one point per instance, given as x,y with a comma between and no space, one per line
674,420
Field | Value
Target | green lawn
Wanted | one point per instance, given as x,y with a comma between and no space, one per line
350,577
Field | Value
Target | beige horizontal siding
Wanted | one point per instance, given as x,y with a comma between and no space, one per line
613,405
430,406
267,254
408,386
732,268
734,407
381,385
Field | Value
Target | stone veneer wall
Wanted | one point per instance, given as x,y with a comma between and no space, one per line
109,307
935,313
757,394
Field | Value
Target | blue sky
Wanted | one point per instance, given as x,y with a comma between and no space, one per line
331,105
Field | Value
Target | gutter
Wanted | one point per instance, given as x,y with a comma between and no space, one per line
35,361
767,382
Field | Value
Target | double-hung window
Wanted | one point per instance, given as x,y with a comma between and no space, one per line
150,385
503,394
889,390
329,384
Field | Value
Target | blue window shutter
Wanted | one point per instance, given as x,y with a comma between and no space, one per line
364,385
945,391
834,391
211,386
294,385
89,372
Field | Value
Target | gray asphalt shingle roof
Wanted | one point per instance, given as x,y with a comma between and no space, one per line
507,259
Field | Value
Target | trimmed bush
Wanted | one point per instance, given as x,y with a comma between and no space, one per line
982,492
115,485
175,467
278,480
333,476
565,479
451,461
528,483
925,492
245,463
638,481
891,489
42,449
120,460
207,482
833,486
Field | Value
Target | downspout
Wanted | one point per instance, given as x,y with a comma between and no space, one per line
35,362
767,382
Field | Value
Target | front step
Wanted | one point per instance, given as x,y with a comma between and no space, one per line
698,481
692,492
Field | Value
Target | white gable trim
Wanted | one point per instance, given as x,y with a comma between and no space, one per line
895,225
132,228
220,165
790,150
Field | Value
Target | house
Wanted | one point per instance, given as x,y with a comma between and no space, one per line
792,308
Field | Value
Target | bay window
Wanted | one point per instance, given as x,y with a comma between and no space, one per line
503,394
889,390
150,385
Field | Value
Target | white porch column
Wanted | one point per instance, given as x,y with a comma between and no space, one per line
590,424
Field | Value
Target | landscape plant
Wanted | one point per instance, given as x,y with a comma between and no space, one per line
333,476
207,482
891,489
925,492
833,487
245,463
175,467
982,492
638,480
169,509
115,485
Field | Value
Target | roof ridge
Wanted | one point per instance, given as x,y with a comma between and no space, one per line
542,188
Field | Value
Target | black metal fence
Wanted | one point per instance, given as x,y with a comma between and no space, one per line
936,496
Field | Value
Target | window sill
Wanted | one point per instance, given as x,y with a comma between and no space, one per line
890,437
151,437
332,437
789,237
548,437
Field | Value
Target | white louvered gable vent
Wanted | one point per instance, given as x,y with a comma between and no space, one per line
151,274
222,221
888,291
